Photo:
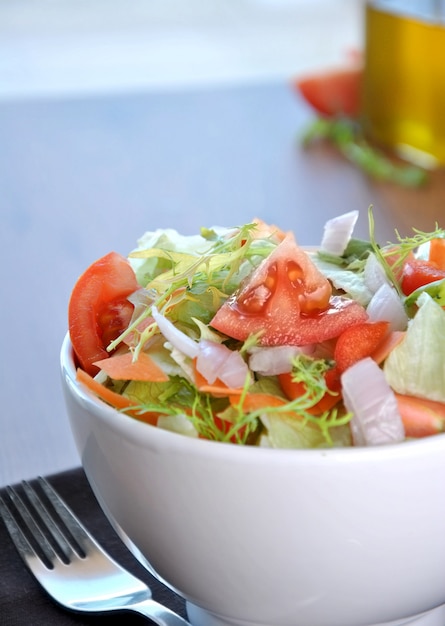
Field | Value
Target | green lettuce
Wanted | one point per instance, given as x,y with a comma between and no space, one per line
416,366
292,432
167,243
349,281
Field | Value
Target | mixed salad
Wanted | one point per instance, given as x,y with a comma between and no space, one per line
240,335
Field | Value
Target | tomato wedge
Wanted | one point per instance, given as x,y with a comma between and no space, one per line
417,273
358,342
333,92
98,310
294,390
288,301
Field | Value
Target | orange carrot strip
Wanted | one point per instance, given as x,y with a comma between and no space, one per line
421,417
437,253
390,341
220,390
123,367
114,399
255,401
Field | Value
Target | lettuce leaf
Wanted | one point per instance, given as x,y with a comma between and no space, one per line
165,241
416,366
346,280
435,289
291,432
178,424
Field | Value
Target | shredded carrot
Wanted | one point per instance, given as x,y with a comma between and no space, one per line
390,341
437,253
421,417
255,401
123,367
219,390
114,399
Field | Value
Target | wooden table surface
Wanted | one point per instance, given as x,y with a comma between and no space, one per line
82,176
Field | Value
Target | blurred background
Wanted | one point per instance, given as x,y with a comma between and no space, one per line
76,46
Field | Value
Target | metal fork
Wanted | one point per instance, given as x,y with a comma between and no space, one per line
69,564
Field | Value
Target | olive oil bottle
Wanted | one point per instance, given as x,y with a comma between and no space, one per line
404,78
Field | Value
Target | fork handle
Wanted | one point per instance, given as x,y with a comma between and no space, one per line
159,614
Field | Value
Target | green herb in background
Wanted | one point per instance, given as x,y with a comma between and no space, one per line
346,135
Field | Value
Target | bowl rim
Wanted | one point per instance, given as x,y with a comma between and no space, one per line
143,433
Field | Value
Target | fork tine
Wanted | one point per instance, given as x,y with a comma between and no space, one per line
74,525
21,541
62,541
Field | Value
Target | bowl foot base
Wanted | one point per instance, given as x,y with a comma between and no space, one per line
200,617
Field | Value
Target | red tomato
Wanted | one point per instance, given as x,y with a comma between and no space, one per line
334,92
98,310
288,300
393,258
224,426
358,342
294,390
417,273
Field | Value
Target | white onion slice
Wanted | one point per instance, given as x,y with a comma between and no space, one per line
337,233
140,299
215,360
176,337
274,360
376,417
234,371
210,359
386,305
374,275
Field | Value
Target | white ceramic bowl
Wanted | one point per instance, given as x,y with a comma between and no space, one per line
262,537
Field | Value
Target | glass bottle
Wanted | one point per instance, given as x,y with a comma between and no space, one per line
404,78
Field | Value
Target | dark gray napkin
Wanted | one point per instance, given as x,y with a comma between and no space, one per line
24,603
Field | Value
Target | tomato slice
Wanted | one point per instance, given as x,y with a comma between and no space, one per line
295,390
418,272
358,342
334,92
395,261
289,301
98,310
